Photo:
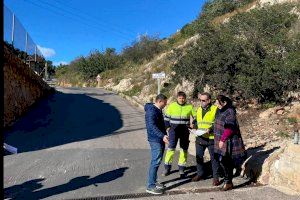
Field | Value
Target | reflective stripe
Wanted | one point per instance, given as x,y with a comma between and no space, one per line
179,117
182,119
166,119
179,122
179,114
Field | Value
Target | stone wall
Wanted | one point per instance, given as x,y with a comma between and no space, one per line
22,88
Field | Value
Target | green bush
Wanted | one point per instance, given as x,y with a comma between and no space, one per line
134,91
250,55
143,49
210,10
92,65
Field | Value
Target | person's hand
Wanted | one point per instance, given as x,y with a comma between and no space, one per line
166,139
192,126
221,145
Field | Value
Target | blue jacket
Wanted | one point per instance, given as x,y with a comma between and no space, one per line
154,123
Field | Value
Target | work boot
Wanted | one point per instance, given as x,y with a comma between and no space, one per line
216,182
196,178
181,173
227,186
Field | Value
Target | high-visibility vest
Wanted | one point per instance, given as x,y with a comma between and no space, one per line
179,114
207,121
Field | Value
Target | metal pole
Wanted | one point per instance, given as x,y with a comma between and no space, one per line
26,42
13,30
158,86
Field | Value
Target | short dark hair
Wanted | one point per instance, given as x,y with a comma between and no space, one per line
181,94
205,94
160,97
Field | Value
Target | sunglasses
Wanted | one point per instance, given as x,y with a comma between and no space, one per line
203,100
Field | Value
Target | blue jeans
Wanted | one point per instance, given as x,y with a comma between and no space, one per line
157,152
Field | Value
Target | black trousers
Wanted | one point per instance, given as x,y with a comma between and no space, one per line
201,144
226,163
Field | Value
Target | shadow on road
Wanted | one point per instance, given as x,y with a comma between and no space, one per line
190,172
63,118
27,190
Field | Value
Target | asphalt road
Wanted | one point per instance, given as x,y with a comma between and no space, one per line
88,142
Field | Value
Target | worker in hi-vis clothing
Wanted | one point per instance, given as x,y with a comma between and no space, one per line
205,121
178,117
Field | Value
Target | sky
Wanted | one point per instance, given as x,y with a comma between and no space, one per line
67,29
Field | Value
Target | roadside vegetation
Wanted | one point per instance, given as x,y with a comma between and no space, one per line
248,54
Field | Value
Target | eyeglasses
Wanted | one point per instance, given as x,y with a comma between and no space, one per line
203,100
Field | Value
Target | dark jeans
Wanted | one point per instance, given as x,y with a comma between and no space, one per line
157,152
226,163
201,144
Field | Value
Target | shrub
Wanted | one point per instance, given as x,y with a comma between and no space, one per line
143,49
250,55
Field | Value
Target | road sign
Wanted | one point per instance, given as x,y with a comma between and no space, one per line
159,75
98,77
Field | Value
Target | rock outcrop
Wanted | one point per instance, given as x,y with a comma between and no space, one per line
282,169
124,85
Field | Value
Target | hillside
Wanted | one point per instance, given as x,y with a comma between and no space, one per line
249,50
184,73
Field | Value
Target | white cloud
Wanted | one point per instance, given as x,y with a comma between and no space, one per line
60,62
47,52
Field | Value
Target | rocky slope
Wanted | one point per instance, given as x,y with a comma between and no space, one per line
22,88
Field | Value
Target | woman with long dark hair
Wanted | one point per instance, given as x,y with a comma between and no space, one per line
229,146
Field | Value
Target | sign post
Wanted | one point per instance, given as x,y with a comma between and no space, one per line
98,80
158,76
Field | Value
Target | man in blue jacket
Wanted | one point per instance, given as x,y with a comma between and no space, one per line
157,137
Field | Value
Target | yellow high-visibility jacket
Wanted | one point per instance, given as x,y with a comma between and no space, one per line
178,114
207,121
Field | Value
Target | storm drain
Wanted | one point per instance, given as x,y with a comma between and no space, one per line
167,193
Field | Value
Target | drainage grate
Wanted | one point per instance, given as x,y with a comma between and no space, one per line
167,193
